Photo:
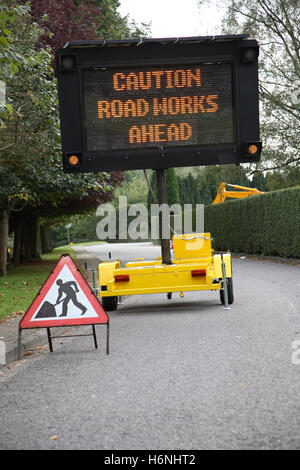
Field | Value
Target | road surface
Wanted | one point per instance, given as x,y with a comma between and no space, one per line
182,373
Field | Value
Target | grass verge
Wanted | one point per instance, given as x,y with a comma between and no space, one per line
22,283
81,244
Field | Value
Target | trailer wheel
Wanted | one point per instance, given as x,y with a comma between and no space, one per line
110,303
229,291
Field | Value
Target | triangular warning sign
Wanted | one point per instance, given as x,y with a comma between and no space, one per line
64,299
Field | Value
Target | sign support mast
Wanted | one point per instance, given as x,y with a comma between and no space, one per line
162,199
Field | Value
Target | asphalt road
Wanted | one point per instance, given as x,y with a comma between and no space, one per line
93,254
181,374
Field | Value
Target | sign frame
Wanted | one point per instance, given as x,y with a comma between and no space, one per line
78,56
26,320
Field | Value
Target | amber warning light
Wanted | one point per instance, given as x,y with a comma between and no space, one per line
73,160
253,149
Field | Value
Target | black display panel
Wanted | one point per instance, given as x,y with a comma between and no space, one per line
158,103
150,107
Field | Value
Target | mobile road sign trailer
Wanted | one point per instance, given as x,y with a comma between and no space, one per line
194,268
160,103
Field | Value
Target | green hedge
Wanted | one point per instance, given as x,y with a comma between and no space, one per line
267,224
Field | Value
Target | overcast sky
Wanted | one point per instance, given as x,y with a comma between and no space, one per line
173,18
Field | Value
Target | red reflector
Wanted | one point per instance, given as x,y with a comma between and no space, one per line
122,278
199,272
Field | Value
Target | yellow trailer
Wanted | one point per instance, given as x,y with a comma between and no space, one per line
194,268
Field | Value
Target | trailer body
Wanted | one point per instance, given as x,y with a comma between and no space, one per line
194,268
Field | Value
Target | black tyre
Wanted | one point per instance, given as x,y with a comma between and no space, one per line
229,292
110,303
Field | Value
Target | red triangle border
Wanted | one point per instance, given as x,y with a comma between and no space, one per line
102,318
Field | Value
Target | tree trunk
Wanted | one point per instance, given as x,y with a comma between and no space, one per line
25,246
30,237
38,241
34,239
17,238
4,224
45,239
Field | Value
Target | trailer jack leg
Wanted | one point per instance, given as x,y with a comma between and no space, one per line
226,307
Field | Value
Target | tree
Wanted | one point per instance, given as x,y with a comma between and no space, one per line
65,20
83,200
259,181
282,179
30,158
71,20
32,182
115,26
135,188
172,185
10,59
13,191
208,181
234,175
275,23
189,192
211,177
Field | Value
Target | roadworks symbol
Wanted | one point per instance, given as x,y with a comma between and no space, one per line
66,293
64,300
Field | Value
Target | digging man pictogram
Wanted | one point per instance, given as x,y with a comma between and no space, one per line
70,294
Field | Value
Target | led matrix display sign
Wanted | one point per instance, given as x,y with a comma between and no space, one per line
148,107
163,104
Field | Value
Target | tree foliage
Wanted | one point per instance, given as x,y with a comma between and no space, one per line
172,185
135,188
30,144
210,178
65,20
116,26
32,183
71,20
275,24
189,191
10,58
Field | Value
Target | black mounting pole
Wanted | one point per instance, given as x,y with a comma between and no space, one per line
162,199
49,339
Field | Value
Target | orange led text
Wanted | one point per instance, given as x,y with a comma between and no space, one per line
160,133
159,106
158,79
